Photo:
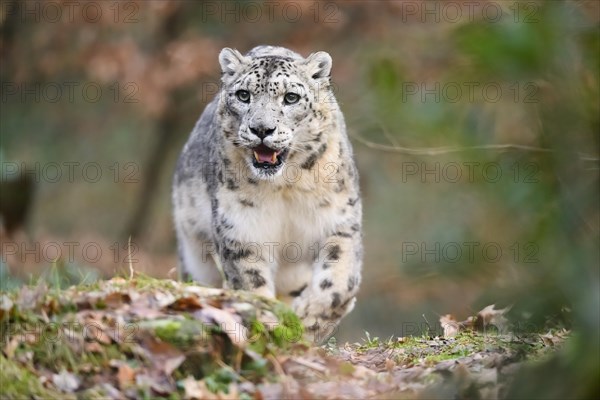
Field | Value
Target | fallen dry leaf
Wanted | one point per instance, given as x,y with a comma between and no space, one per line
485,318
335,390
11,346
30,298
203,291
163,355
361,372
469,323
98,333
163,299
150,305
65,381
117,299
93,347
125,375
229,322
389,365
450,325
550,339
193,389
189,303
6,305
489,316
155,380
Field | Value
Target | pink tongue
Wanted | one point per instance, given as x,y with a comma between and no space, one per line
265,156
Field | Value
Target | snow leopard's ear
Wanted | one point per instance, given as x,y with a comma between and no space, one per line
318,65
231,60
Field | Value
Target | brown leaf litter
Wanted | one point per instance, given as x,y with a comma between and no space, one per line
146,338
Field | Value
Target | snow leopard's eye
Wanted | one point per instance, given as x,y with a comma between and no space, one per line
291,98
243,96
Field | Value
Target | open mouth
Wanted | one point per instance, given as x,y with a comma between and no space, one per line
268,159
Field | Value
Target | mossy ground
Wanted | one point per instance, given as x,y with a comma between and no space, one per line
145,338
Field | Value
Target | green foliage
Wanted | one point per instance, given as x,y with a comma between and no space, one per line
290,330
181,333
17,380
220,380
507,49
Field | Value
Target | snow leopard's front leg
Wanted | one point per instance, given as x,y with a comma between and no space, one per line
245,267
246,264
335,281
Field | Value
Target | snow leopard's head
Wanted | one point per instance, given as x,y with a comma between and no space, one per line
273,106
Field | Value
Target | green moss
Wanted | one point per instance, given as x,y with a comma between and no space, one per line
103,358
254,370
289,330
219,380
15,381
182,333
143,281
100,304
440,357
259,336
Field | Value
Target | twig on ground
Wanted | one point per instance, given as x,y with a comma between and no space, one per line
129,259
309,364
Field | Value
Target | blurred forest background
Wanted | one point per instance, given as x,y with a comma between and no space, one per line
98,98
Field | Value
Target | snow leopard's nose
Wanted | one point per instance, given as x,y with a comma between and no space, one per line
261,131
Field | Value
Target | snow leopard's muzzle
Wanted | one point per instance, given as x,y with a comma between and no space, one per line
268,149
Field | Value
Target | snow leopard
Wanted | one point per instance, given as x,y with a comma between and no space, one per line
266,191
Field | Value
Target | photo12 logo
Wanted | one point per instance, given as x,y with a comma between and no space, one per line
469,252
70,171
269,11
453,12
290,252
471,92
69,11
468,172
69,91
49,252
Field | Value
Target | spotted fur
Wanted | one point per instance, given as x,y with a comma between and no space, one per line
291,229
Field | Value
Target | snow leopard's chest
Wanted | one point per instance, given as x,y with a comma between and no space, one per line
283,215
